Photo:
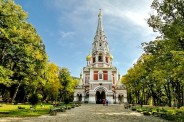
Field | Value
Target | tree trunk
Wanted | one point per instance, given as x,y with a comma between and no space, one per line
182,97
168,93
178,92
16,91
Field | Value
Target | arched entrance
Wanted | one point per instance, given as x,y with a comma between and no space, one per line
121,98
79,97
100,95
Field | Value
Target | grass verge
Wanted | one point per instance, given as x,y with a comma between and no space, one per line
167,113
23,110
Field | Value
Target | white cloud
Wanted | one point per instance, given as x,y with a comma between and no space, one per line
83,13
66,34
125,22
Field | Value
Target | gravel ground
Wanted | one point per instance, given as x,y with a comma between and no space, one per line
91,113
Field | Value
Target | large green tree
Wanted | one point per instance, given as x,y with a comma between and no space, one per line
68,84
53,85
162,63
21,48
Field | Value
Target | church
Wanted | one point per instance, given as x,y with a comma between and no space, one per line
99,79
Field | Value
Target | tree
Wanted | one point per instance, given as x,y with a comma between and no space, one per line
169,20
162,62
52,85
21,49
68,84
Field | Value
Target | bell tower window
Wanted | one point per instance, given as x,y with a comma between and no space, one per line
100,58
106,58
93,59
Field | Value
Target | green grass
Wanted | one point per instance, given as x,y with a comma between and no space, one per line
168,113
13,111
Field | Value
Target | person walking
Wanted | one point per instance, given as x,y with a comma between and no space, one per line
106,102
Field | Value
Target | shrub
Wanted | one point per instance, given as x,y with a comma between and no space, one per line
147,113
33,99
133,109
66,101
139,110
53,113
40,97
19,107
72,106
63,110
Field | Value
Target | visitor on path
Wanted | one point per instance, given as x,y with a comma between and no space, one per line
100,101
106,102
103,101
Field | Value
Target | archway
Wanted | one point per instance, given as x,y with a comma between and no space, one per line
79,97
121,98
100,95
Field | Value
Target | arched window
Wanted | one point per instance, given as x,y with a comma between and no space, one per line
93,59
100,58
106,58
100,76
100,44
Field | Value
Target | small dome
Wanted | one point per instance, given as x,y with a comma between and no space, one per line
88,58
111,57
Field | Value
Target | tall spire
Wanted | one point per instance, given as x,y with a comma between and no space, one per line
100,41
100,26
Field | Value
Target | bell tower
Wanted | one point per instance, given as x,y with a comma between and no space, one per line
100,56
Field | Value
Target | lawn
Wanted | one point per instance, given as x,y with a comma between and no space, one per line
7,110
168,113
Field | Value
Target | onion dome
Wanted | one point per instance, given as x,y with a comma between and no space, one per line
111,57
89,57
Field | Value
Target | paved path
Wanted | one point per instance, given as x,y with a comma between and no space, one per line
91,113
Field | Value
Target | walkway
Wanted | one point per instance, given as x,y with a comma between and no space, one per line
92,113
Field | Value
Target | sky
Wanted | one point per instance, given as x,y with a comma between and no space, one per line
68,27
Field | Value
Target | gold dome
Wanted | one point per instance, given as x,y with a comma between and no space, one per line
88,58
111,57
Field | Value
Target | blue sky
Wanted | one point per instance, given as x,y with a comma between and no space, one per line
68,27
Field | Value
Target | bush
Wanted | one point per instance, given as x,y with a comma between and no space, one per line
147,113
40,97
19,107
133,109
66,101
63,110
139,110
33,99
72,106
53,113
4,112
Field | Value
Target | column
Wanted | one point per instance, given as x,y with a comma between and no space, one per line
110,97
91,75
92,98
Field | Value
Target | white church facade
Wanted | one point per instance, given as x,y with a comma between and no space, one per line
100,79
